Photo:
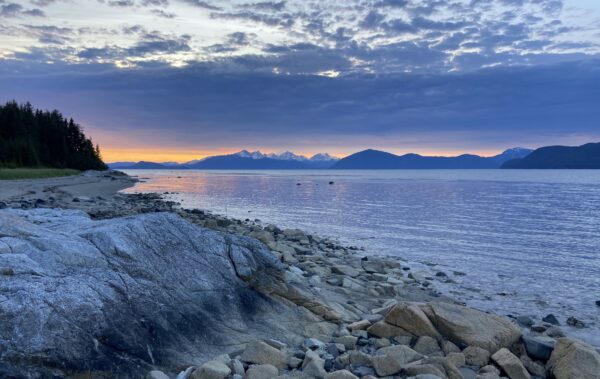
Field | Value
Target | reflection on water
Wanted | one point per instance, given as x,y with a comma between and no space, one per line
529,239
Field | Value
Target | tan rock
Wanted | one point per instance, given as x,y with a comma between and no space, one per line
211,370
359,325
510,364
411,318
473,327
382,329
457,359
390,360
260,353
261,372
358,358
572,359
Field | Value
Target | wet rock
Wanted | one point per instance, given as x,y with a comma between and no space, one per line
473,327
554,332
510,364
539,347
390,360
410,317
574,359
575,322
476,356
551,319
524,321
211,370
260,353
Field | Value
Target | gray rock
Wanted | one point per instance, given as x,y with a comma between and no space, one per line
457,359
341,374
551,319
533,367
131,294
260,353
426,345
314,365
573,359
575,322
155,374
510,364
211,370
390,360
382,329
525,321
476,356
261,372
539,347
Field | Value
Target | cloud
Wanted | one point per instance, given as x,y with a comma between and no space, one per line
202,4
515,103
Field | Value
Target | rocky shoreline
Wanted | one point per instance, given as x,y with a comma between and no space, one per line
357,315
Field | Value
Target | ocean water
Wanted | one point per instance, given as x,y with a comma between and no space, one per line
528,241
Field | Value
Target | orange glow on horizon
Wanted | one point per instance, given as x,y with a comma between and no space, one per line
185,155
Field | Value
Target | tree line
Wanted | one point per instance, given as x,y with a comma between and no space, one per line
36,138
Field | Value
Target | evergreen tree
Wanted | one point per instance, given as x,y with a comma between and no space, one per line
41,138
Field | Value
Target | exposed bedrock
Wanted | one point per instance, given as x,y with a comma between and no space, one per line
125,295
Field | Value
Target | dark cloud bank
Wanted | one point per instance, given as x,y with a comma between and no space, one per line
198,101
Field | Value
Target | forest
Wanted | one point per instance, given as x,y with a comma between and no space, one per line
36,138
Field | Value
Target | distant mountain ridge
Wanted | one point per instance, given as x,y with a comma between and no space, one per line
367,159
242,160
377,160
559,157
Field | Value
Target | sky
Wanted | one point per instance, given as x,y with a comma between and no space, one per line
175,80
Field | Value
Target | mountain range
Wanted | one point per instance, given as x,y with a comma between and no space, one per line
367,159
559,157
378,160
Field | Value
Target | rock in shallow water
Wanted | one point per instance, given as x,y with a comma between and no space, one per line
126,295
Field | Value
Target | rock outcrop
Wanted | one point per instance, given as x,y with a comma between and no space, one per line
126,295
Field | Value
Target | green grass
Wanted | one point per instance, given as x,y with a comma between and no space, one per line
34,173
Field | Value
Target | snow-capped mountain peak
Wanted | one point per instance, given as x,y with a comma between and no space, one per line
285,156
323,157
250,154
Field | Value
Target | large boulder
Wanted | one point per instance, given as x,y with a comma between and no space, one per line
124,296
472,327
411,318
573,359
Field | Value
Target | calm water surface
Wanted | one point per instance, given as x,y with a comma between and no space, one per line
529,241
